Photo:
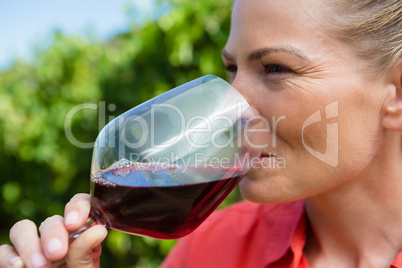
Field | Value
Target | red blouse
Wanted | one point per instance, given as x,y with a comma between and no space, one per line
248,235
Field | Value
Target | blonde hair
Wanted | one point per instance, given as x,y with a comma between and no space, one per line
373,28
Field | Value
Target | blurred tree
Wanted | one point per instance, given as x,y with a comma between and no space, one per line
41,168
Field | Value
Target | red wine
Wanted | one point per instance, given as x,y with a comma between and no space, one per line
164,203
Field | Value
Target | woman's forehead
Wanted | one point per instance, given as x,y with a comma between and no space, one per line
256,23
276,12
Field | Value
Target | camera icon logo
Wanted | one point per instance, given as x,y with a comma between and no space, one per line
330,156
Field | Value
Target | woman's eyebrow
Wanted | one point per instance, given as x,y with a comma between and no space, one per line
259,53
227,55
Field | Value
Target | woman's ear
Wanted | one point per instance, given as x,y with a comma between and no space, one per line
392,106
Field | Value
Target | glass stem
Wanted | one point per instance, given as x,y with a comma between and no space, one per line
75,234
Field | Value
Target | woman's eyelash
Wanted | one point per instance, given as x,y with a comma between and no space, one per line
230,68
276,68
269,68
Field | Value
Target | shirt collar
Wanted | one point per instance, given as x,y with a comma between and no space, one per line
288,228
295,255
298,241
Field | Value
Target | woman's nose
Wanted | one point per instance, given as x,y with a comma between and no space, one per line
245,89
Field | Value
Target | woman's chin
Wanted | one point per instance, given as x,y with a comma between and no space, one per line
267,190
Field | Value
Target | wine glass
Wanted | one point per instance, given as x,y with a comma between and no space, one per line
161,168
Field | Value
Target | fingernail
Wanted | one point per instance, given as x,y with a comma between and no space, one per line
71,218
16,262
53,245
38,261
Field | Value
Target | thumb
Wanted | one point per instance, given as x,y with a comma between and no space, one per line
84,252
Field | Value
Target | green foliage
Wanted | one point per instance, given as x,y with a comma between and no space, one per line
40,168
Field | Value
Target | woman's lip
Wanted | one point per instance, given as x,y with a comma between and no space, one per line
268,155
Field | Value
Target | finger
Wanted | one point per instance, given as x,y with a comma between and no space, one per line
9,258
24,236
85,250
54,238
76,211
96,253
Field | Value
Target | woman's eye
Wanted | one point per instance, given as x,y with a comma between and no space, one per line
231,68
275,68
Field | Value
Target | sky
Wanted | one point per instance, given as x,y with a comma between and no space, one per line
24,23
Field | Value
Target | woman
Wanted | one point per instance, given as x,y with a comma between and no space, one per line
332,72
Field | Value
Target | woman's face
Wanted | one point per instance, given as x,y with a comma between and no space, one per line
322,106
